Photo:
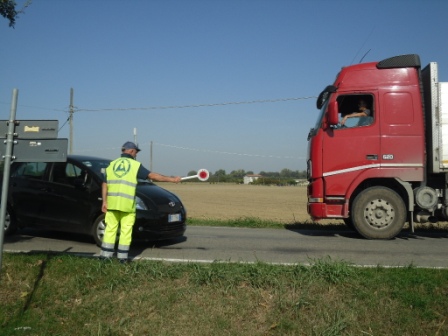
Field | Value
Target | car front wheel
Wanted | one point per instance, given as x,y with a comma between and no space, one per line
98,228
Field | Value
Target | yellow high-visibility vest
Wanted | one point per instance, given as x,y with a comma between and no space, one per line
121,184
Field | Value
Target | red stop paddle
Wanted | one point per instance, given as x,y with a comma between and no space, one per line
202,175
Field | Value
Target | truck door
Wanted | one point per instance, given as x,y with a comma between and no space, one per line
351,149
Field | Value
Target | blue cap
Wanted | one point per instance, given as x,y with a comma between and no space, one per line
130,145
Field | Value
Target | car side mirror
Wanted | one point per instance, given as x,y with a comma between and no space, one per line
332,113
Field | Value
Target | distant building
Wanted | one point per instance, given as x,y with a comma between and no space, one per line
302,182
250,178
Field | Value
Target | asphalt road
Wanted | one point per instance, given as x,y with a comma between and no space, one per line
208,244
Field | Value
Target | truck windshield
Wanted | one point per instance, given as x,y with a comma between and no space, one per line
321,104
322,113
320,117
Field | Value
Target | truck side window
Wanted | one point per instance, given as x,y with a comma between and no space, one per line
355,111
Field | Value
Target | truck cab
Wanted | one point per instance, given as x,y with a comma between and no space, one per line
370,170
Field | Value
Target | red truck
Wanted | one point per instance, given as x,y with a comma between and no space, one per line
381,169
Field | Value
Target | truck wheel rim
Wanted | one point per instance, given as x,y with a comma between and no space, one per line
379,213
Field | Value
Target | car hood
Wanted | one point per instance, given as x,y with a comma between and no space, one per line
151,192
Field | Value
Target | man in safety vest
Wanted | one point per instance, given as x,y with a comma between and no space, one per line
118,192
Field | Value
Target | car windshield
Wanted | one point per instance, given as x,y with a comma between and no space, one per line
98,166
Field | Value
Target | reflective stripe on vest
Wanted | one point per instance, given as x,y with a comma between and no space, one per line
121,184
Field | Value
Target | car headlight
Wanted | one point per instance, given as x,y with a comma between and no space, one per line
140,205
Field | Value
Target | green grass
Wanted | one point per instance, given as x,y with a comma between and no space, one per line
258,223
51,294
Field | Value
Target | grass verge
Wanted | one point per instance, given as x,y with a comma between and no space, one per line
258,223
328,225
50,294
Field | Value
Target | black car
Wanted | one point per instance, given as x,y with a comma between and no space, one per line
66,196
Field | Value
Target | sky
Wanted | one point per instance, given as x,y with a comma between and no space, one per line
214,84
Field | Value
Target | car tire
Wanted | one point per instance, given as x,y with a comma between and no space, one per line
10,223
98,228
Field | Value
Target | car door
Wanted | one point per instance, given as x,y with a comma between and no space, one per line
69,198
27,192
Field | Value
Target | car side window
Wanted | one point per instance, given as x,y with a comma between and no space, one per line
34,170
69,174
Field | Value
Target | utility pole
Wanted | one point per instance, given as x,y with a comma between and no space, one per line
71,122
6,168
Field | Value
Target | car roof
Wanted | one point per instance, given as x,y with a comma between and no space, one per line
85,157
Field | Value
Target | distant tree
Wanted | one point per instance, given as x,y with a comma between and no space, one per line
9,12
220,173
191,172
286,172
272,174
284,177
239,173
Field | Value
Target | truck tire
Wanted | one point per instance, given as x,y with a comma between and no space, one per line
378,213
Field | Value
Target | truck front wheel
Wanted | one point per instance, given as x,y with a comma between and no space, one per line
378,213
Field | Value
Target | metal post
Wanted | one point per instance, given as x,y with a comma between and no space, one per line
6,169
71,122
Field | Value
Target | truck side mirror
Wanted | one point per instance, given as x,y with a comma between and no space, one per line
332,113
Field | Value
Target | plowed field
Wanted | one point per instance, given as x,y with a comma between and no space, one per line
233,201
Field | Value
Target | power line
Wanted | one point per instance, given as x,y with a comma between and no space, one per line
229,153
68,119
196,150
193,106
261,101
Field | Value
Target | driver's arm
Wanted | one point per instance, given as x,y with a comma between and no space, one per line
353,115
